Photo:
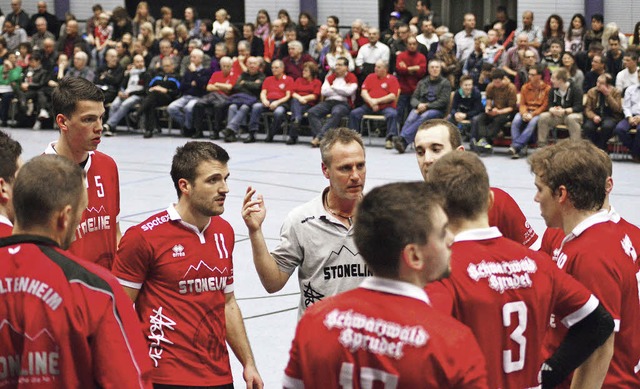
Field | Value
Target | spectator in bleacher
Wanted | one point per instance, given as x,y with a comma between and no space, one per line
10,76
166,51
411,66
465,39
534,100
163,88
274,97
522,75
446,55
494,49
399,6
332,32
109,76
32,89
275,40
13,35
594,34
333,21
337,50
508,24
501,106
424,12
631,121
147,37
614,56
191,21
294,62
263,25
219,51
603,111
131,93
256,44
221,24
192,87
80,67
48,53
180,39
68,41
467,102
534,33
245,92
575,34
218,87
41,33
318,43
231,39
390,34
240,61
428,34
124,56
473,64
186,61
575,74
629,75
283,15
306,30
380,92
290,35
635,37
355,38
102,39
370,53
91,22
138,49
553,59
553,31
17,16
565,107
583,58
24,54
58,72
121,23
304,95
612,30
166,20
597,69
513,59
52,24
142,16
338,91
429,101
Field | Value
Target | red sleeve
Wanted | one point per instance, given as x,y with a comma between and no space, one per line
351,78
508,217
317,87
289,84
367,81
394,85
269,46
422,62
551,240
293,372
134,258
441,296
212,79
468,369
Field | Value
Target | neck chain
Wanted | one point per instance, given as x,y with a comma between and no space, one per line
334,213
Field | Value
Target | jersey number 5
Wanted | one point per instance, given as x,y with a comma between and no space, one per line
367,377
99,186
520,308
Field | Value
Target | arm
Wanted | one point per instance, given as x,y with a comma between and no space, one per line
591,104
576,106
237,339
592,372
253,212
544,106
444,94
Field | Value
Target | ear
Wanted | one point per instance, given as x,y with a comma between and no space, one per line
412,258
64,218
4,192
608,186
492,199
325,170
460,148
562,194
61,121
184,185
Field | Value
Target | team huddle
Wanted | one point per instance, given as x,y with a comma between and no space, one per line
434,284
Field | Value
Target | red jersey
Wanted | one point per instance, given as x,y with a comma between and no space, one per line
597,254
383,331
6,227
551,240
96,235
183,276
65,322
380,87
219,76
304,87
236,68
277,88
409,81
506,293
507,216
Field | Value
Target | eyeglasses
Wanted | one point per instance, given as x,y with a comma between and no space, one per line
529,56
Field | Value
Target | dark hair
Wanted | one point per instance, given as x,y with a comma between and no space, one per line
10,151
313,68
595,45
70,91
188,157
465,77
597,18
250,25
501,8
36,56
636,35
312,21
455,139
389,218
44,185
578,166
463,183
208,23
539,67
285,13
265,13
27,45
335,19
632,54
614,37
337,135
574,68
608,79
555,41
497,73
547,26
581,18
96,7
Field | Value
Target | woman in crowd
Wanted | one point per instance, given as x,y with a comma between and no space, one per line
575,34
575,74
305,94
142,16
554,28
337,50
306,29
263,25
283,15
445,53
231,39
191,21
167,20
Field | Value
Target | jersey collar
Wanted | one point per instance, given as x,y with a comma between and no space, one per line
614,215
51,150
400,288
175,216
5,220
26,238
478,234
601,216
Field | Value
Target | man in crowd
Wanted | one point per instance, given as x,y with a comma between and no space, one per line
629,75
316,237
41,33
10,162
565,107
631,121
410,251
603,111
597,69
465,38
51,21
134,88
370,53
92,334
196,318
428,34
14,35
411,66
534,33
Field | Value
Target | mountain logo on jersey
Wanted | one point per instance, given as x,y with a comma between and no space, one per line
178,251
628,248
14,250
345,263
194,282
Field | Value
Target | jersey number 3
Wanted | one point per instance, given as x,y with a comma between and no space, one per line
367,377
520,308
